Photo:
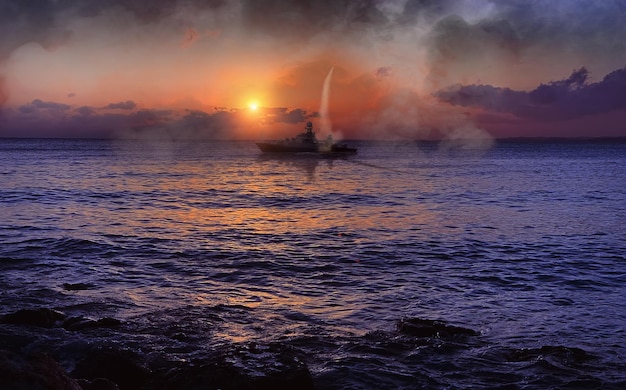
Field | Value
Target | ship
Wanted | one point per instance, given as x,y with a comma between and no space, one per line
306,142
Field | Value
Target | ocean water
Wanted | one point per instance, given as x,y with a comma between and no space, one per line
201,246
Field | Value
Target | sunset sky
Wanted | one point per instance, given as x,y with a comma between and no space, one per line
403,69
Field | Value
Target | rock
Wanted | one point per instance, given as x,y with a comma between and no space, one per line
431,328
77,286
248,366
45,318
34,373
292,378
98,384
226,377
289,371
121,367
55,376
201,376
273,366
566,355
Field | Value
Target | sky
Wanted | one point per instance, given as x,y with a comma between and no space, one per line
255,69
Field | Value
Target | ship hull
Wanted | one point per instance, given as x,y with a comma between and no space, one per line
270,147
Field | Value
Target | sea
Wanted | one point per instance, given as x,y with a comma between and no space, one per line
197,248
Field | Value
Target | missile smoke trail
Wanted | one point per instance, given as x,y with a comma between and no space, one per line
325,124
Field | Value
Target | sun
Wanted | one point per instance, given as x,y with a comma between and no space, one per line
253,106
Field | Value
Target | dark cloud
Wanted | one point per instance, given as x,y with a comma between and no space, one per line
127,105
149,118
27,21
39,20
414,10
199,124
189,124
284,115
38,104
383,71
43,21
42,118
484,96
591,24
458,36
294,116
457,45
510,29
3,95
303,19
517,23
191,35
85,111
558,100
552,93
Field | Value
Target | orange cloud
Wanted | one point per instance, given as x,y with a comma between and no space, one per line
191,35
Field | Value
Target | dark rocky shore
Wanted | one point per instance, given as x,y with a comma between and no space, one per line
31,359
46,349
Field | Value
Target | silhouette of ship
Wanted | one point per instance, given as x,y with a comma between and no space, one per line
305,143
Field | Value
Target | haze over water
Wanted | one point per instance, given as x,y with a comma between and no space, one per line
523,243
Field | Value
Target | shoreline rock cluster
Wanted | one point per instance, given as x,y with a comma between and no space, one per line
45,349
107,366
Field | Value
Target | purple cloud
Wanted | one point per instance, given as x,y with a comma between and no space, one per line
39,104
383,71
558,100
284,115
85,111
127,105
44,118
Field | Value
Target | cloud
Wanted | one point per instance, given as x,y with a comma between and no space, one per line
387,50
406,115
26,21
569,98
123,119
511,24
85,111
532,36
458,49
575,23
38,104
305,19
3,95
191,35
199,124
284,115
127,105
383,72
